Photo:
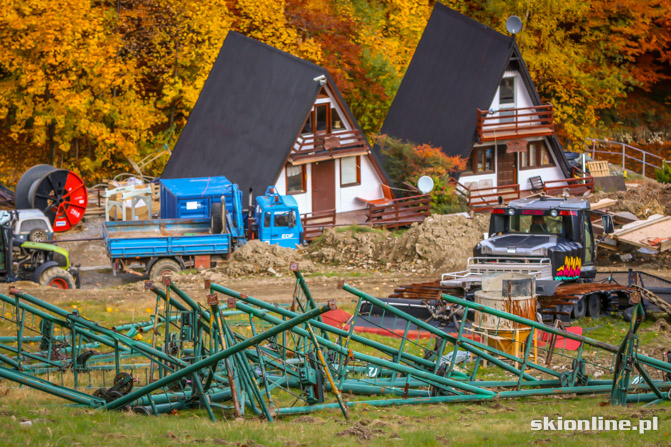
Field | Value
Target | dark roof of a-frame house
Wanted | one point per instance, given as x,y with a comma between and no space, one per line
456,69
248,115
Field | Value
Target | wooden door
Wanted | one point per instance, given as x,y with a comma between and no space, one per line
506,172
323,185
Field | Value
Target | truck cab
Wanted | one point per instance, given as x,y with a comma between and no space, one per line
278,220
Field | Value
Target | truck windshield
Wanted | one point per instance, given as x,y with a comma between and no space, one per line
285,219
536,224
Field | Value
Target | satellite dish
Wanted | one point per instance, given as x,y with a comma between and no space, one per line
425,184
514,25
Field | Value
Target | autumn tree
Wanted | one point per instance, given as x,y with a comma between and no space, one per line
66,95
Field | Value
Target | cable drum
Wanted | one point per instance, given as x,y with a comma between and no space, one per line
60,194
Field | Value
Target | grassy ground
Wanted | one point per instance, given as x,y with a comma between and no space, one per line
32,418
500,423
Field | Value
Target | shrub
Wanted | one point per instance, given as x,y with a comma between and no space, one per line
664,175
407,162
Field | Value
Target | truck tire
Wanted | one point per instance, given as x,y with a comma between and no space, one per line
164,267
593,305
580,308
58,278
217,220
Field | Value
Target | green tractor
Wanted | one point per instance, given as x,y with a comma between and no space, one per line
24,256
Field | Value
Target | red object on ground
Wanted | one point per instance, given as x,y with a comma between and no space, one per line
340,319
562,342
202,261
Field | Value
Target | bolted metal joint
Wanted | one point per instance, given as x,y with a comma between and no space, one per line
212,299
166,280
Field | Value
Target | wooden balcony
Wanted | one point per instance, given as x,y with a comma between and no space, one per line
328,146
508,124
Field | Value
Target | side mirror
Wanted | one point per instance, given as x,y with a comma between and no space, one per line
607,223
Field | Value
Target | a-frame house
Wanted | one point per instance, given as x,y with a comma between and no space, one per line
467,90
267,118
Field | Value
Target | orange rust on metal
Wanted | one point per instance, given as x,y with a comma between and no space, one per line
13,290
405,391
166,280
422,291
212,299
207,283
635,297
341,284
148,285
231,302
332,305
293,266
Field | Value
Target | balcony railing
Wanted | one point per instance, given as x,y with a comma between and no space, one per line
328,144
507,124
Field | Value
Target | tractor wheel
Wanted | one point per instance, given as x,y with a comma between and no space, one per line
37,235
579,308
164,267
593,305
58,278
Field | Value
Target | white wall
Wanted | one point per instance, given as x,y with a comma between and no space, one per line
345,198
369,189
547,173
304,200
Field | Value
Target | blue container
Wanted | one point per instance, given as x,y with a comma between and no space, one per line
192,198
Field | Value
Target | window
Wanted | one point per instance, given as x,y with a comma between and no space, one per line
482,160
266,220
507,91
308,125
350,171
336,121
536,224
536,156
295,179
321,117
285,219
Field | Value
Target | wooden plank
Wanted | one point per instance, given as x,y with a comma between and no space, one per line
603,203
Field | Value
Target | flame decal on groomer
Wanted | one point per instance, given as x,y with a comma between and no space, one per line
570,269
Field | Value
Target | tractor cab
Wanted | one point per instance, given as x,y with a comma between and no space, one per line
278,220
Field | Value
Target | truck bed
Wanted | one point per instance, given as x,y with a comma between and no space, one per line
162,238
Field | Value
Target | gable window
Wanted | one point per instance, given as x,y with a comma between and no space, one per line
350,171
308,125
507,91
536,156
482,160
336,121
296,179
323,118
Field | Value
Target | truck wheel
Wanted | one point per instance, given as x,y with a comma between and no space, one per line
217,222
579,308
593,305
164,267
37,235
58,278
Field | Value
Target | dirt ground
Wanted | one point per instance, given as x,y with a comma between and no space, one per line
374,260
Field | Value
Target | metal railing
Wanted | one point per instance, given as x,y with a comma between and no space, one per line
644,158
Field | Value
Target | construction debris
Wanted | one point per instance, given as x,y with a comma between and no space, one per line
254,357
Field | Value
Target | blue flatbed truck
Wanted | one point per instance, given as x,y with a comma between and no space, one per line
161,246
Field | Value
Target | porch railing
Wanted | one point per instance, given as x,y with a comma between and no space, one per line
514,123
